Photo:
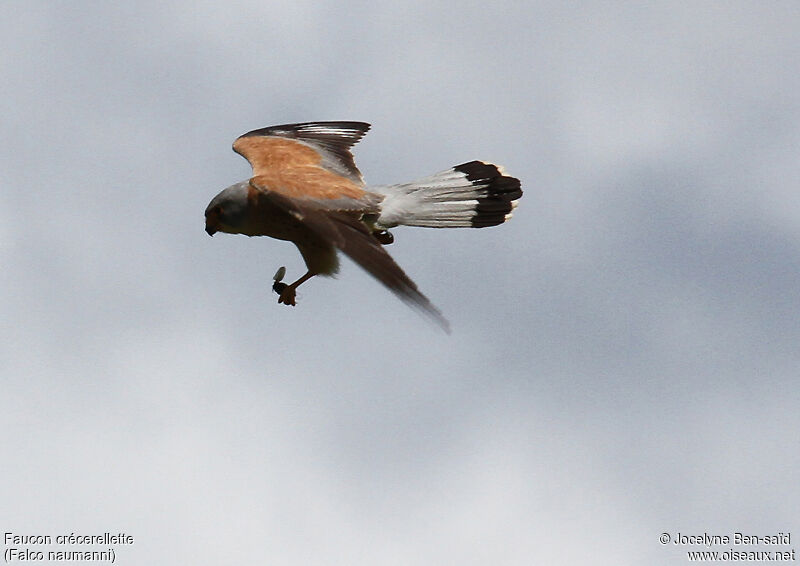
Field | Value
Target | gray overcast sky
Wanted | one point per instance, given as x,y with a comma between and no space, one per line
624,356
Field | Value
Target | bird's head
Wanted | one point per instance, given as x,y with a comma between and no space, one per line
226,211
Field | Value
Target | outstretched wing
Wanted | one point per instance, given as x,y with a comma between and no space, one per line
324,145
345,230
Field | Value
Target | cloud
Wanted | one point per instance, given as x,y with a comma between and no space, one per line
622,362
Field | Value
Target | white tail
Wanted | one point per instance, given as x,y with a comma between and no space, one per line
471,195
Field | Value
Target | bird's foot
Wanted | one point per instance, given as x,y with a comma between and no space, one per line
287,294
383,236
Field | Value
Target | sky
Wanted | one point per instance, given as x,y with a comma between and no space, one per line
623,361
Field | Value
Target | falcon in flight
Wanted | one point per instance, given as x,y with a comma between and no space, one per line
307,189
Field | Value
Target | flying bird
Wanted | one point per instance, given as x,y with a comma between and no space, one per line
307,189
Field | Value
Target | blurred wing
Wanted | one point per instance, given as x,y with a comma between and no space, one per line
344,229
324,145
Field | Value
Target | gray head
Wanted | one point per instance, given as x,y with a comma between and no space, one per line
226,211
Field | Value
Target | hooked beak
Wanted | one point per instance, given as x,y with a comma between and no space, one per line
212,225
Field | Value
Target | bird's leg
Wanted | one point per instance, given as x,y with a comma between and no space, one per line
288,292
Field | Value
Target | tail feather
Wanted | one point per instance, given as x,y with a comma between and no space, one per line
473,194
